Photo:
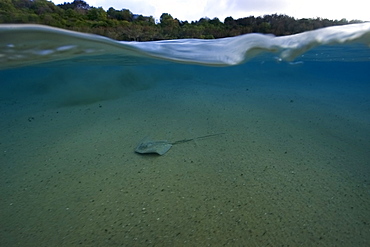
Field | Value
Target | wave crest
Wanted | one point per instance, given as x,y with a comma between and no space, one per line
22,45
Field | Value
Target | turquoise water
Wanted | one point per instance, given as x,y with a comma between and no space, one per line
292,167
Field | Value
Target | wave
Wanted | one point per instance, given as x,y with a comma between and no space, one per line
22,45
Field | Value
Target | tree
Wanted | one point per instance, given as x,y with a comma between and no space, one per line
215,22
7,11
170,27
166,20
41,7
229,21
78,5
122,15
97,14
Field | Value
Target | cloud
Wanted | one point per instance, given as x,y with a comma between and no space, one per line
331,9
195,9
144,7
182,10
243,8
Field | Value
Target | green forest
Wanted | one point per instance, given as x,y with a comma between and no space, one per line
124,25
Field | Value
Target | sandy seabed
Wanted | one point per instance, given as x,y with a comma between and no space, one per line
291,169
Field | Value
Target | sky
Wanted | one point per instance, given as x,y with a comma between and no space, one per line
191,10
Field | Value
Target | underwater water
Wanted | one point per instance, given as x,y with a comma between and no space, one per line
291,166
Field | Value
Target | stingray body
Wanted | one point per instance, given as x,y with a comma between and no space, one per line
147,146
153,147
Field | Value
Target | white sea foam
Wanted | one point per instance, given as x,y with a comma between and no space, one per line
22,45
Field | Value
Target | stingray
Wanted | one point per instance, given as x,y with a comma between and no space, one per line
147,146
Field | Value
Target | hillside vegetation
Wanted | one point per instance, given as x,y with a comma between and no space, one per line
124,25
